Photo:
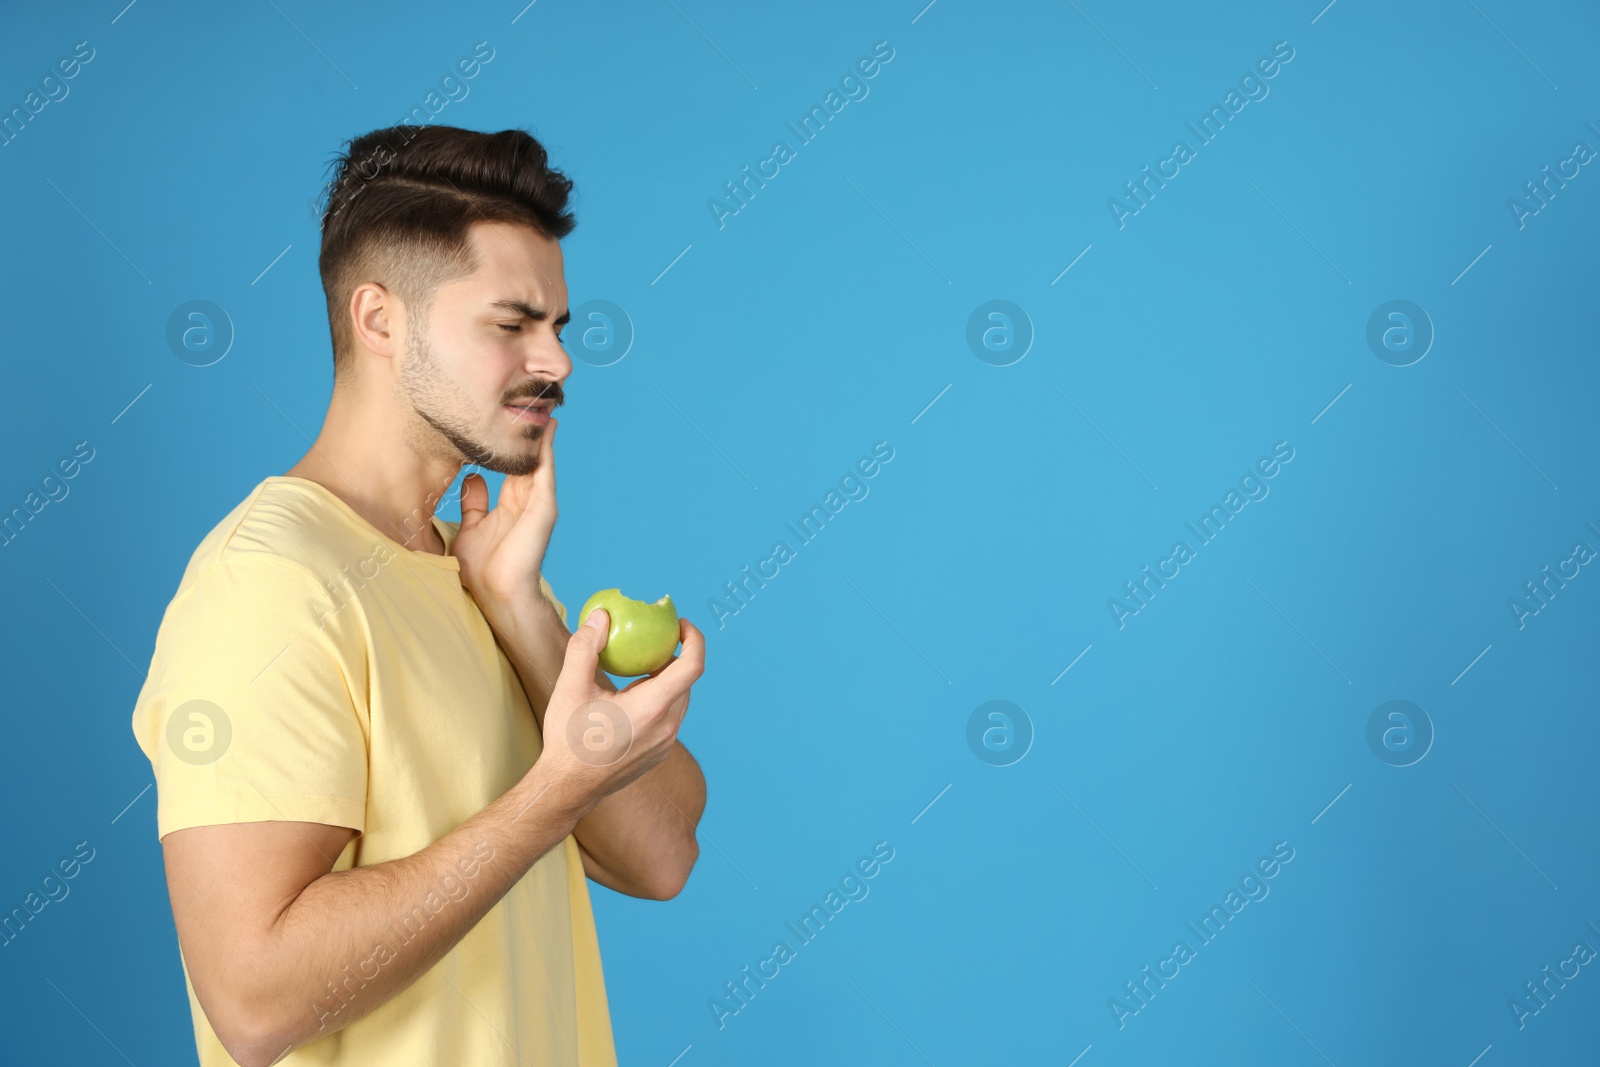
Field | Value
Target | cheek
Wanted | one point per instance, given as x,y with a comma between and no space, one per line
481,366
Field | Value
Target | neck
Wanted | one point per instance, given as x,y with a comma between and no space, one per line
365,456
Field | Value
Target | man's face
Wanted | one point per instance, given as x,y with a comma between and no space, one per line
489,356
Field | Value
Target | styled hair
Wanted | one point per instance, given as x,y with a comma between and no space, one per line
400,203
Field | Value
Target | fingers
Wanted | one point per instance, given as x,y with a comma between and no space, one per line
474,500
694,647
677,676
684,626
667,690
670,662
583,654
546,468
599,621
603,625
686,670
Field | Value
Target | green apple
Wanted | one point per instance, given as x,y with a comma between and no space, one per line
643,636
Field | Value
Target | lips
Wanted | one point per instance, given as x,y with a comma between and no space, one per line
532,414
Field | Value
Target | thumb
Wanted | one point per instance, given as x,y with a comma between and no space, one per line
583,651
474,500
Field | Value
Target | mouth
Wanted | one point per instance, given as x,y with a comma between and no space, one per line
530,410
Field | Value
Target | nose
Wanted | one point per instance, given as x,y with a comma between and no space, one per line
549,359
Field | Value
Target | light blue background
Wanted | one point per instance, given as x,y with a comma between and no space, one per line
1225,717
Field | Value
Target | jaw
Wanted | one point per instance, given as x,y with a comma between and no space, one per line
514,451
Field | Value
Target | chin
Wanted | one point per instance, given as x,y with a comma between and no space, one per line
514,462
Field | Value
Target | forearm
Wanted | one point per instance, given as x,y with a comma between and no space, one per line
534,639
643,835
354,939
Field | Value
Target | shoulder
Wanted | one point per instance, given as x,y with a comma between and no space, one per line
286,529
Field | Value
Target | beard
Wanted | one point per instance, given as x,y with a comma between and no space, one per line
439,402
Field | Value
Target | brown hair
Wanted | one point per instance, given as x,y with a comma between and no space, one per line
400,203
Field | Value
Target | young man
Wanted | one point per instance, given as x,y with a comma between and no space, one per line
384,766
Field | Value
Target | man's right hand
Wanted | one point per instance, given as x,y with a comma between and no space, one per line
597,741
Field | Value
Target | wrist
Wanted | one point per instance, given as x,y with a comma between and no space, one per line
560,799
523,625
522,611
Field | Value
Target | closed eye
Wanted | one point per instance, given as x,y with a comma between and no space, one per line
513,329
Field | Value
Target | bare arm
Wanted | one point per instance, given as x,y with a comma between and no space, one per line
641,839
281,949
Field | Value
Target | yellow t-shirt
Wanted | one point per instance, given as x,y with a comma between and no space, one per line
312,668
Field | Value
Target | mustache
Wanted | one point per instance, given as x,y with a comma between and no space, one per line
536,391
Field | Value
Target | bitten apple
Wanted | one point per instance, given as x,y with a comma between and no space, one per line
642,637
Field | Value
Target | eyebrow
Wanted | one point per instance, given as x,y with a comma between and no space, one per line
529,311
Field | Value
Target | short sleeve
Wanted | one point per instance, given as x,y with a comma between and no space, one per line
255,707
550,595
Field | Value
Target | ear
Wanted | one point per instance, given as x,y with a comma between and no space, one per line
375,319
